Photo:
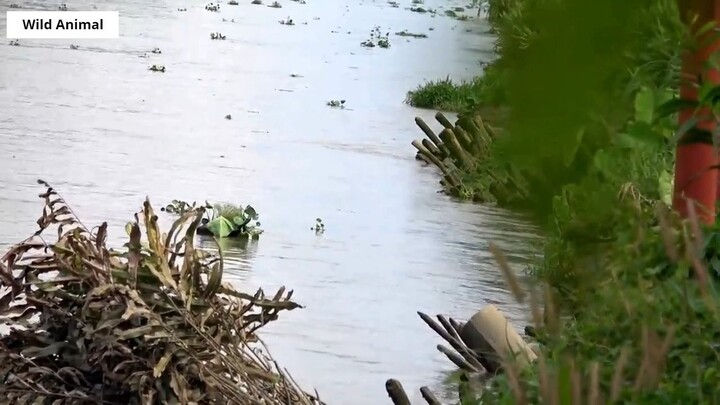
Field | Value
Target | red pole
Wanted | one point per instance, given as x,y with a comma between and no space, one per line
694,180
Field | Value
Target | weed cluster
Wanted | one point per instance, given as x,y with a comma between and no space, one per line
592,159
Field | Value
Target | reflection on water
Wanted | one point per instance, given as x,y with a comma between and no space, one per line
106,132
238,255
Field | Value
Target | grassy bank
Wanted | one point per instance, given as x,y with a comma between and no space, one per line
587,148
458,96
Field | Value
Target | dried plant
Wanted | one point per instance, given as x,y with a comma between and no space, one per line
152,323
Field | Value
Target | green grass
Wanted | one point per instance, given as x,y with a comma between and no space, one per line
447,95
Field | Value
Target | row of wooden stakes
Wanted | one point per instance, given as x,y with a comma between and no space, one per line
479,348
458,146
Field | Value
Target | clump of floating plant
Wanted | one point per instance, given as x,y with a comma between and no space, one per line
422,10
213,7
221,220
233,2
178,207
156,51
13,5
275,4
256,2
377,39
336,103
231,221
319,227
217,35
288,21
406,33
14,42
157,68
394,4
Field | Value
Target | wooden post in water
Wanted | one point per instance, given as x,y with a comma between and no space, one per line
695,177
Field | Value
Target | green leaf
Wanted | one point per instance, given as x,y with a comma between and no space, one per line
220,227
665,187
640,135
709,95
673,106
644,105
684,128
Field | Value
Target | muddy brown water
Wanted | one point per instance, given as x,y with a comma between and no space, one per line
106,132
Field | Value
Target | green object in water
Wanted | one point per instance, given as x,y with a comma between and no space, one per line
220,227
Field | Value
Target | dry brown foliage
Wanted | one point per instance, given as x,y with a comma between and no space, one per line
150,324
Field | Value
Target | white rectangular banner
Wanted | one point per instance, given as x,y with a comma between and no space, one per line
63,24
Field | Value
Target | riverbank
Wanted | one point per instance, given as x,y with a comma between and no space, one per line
591,159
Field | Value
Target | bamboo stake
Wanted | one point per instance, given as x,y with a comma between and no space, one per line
457,344
428,132
420,156
456,151
468,124
444,121
432,148
466,141
492,132
454,182
429,397
457,360
396,392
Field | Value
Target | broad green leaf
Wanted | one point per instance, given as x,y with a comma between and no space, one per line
239,220
220,227
640,135
673,106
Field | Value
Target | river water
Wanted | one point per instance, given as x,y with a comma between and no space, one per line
106,132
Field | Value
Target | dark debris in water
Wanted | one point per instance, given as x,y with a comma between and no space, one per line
405,33
336,103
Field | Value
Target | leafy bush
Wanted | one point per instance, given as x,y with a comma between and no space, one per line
645,331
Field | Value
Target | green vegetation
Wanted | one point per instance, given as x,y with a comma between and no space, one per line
644,332
587,148
446,95
222,220
377,38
